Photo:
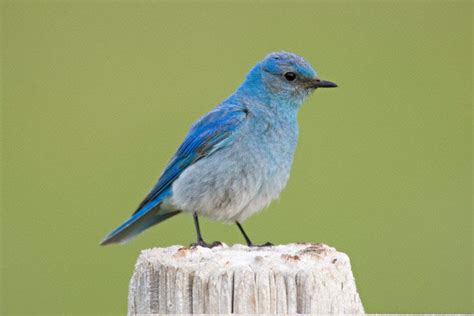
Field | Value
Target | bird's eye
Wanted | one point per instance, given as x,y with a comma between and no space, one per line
290,76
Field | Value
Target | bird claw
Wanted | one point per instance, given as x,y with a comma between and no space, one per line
216,244
267,244
202,243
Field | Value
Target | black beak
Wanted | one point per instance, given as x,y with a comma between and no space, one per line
318,83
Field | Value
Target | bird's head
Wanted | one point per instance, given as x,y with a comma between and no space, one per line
287,77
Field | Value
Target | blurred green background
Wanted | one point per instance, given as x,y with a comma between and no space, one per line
98,95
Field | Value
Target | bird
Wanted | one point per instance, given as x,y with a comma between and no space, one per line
235,159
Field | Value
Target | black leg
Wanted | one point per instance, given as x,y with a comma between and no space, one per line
247,239
200,241
198,229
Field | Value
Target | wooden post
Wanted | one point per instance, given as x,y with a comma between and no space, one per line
294,278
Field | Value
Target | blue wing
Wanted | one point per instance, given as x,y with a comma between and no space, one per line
209,134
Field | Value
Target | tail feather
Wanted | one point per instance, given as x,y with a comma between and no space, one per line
149,215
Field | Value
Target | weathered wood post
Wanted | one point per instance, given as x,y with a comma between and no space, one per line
294,278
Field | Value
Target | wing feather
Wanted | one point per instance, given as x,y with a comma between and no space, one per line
209,134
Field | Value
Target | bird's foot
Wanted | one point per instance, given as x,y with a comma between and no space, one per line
267,244
202,243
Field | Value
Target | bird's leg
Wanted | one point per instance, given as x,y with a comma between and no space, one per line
200,241
247,239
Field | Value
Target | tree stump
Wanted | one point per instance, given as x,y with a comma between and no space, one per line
295,278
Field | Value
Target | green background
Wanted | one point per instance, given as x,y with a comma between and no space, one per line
96,97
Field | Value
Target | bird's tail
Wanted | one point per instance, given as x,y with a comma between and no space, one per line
149,215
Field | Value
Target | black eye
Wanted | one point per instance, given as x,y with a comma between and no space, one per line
290,76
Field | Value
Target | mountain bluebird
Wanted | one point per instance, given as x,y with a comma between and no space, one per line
235,159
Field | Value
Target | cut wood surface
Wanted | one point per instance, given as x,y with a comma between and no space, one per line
294,278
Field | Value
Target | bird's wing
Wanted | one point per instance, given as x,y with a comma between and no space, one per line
211,133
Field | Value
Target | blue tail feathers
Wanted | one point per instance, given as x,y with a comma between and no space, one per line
146,216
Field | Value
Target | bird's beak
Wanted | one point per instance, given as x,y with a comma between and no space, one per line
318,83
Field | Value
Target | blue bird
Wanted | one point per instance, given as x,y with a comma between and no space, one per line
235,159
